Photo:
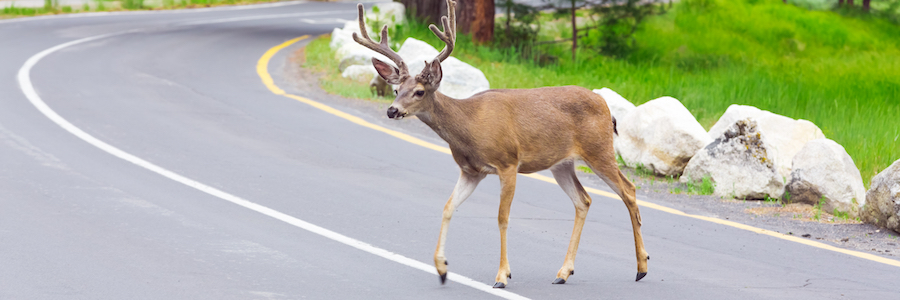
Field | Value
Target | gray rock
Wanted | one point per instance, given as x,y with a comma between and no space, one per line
823,171
739,164
661,135
882,206
785,136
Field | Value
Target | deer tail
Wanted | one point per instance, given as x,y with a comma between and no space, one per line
614,125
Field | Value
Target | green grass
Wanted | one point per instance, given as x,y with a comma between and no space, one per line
840,72
704,186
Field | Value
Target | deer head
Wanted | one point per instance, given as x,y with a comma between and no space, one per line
414,94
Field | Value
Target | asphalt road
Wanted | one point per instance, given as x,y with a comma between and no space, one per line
180,90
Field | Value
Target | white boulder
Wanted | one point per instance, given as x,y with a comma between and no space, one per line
353,53
413,50
353,26
618,105
360,72
823,170
340,37
460,80
661,135
739,164
882,206
785,136
387,13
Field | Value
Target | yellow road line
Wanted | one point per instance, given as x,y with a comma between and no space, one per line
262,69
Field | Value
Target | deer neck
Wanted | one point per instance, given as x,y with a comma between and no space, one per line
448,118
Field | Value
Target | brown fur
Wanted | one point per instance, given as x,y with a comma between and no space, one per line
505,132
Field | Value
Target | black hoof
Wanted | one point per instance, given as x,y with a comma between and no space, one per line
499,285
443,278
640,275
559,281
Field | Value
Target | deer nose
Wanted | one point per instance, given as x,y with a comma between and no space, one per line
393,112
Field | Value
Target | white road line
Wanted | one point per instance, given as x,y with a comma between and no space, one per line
145,12
263,17
25,84
325,21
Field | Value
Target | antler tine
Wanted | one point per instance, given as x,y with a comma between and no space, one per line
382,47
449,33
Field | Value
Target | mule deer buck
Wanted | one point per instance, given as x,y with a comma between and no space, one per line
506,132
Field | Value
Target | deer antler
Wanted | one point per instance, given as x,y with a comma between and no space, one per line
382,47
449,33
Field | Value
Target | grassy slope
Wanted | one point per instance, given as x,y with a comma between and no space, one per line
839,72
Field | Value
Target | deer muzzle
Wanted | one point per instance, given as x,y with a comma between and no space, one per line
395,113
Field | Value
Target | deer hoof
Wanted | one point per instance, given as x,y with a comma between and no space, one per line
499,285
443,278
559,281
640,275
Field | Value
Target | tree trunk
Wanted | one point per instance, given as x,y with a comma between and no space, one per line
482,25
465,13
508,17
850,3
840,3
426,10
866,5
474,17
574,32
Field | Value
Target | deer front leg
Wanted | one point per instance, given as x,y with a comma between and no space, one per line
464,188
507,189
568,181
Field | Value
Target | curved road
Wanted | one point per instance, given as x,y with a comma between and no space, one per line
180,90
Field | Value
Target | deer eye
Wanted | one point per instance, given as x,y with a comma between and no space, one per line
420,93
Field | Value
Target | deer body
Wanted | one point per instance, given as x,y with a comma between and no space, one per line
506,132
531,129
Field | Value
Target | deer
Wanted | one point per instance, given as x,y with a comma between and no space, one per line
506,132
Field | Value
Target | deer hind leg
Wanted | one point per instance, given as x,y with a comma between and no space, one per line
609,172
464,188
564,173
507,190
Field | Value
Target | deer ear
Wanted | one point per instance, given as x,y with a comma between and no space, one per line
389,73
435,73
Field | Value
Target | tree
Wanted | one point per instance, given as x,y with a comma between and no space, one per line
482,21
425,10
474,17
609,24
848,2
